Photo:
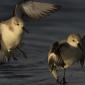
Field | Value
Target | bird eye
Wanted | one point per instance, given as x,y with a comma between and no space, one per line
73,40
17,23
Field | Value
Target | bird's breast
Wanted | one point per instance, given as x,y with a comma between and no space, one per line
71,56
11,38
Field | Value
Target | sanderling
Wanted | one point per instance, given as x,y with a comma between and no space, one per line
64,54
11,30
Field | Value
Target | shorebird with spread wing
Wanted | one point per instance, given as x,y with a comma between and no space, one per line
11,30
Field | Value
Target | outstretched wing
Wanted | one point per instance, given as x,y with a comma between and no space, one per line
37,10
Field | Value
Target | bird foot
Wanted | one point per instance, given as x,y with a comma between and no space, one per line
62,82
58,81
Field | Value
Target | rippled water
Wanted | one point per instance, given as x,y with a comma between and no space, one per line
34,69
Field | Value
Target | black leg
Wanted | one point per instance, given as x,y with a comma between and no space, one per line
58,81
64,80
22,52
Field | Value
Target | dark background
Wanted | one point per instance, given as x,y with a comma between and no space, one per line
34,69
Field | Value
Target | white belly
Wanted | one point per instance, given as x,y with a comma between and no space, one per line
11,38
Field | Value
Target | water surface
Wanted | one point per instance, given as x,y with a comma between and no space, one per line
34,69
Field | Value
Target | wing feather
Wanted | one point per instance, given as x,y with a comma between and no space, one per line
38,9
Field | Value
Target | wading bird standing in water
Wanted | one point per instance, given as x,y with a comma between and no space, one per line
11,30
64,54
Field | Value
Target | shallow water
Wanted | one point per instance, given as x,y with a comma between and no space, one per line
34,69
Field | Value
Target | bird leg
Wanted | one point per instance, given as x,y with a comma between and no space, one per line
22,52
58,81
64,80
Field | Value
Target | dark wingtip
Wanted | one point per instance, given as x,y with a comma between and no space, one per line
14,12
56,44
58,7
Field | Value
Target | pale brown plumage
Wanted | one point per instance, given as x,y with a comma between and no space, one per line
65,54
12,29
35,9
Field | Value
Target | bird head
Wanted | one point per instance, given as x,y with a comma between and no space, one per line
73,40
17,22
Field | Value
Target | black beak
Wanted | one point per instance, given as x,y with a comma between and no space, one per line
26,30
